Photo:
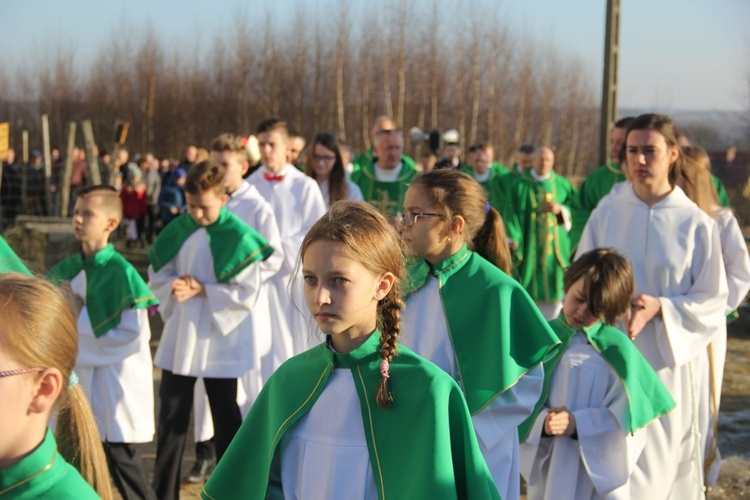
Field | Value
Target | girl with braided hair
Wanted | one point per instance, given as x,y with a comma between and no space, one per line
358,416
466,315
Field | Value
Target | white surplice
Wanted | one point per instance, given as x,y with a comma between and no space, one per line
250,206
209,336
324,454
675,251
353,191
425,331
599,463
297,203
116,373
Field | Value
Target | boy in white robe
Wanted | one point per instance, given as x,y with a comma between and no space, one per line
114,357
202,268
297,202
599,391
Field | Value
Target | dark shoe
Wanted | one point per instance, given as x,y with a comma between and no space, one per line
200,471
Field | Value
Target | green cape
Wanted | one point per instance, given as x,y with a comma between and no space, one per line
648,399
493,189
234,244
423,446
44,474
596,186
112,285
387,197
9,261
497,332
721,191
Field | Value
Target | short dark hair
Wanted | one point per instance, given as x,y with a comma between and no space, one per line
608,282
109,195
625,122
528,149
206,176
273,125
477,147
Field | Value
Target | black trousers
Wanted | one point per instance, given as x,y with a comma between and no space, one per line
152,220
127,471
176,394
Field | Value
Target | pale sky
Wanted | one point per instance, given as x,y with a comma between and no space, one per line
675,54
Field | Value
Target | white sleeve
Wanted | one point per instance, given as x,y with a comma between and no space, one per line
690,320
160,283
115,345
313,208
355,194
590,234
269,229
736,260
567,221
232,302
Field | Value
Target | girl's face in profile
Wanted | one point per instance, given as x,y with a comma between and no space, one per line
341,294
424,232
16,393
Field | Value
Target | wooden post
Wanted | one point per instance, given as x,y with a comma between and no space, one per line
47,164
24,168
91,156
65,181
609,80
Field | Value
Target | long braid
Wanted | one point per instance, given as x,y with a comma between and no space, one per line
390,318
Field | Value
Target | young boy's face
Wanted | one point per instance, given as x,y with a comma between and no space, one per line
575,306
273,150
91,219
235,168
205,207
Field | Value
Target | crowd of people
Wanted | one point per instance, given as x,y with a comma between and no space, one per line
476,323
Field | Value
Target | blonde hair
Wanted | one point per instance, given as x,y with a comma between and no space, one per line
371,240
111,201
41,330
695,179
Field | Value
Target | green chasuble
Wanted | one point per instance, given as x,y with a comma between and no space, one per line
721,191
44,474
497,332
112,286
387,197
234,244
9,261
492,187
543,250
596,186
423,446
648,399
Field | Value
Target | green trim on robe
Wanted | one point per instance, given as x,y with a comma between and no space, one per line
112,286
423,446
538,266
10,261
721,192
648,399
497,332
234,244
596,186
387,197
365,158
493,190
44,473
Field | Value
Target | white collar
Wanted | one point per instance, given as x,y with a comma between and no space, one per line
538,177
482,177
384,175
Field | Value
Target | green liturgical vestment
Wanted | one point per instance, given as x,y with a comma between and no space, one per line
112,286
543,250
493,189
648,399
44,474
387,197
423,446
498,333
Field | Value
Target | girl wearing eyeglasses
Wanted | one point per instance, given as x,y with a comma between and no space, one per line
325,165
38,347
466,315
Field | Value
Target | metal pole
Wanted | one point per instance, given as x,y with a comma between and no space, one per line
609,80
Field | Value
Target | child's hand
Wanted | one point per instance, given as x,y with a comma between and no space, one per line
560,422
186,287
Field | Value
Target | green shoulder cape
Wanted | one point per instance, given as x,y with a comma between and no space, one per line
493,189
9,261
648,399
387,197
234,244
44,473
721,191
596,186
498,333
423,446
112,285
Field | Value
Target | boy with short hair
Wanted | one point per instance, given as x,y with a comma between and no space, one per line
298,203
114,357
202,271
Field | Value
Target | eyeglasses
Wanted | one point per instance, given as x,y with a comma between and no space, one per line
323,159
20,371
408,218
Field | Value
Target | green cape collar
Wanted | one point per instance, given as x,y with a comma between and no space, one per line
33,466
234,244
112,285
366,353
648,399
9,261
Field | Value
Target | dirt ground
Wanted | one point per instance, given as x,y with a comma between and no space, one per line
734,416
